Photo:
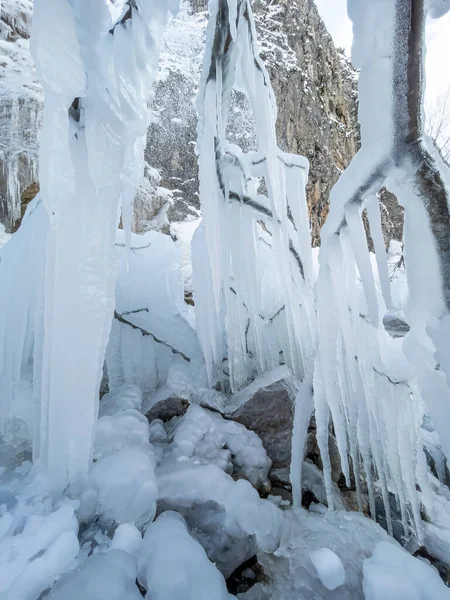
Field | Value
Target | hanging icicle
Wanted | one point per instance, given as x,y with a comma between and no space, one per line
252,266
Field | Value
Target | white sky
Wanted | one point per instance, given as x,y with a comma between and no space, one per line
334,13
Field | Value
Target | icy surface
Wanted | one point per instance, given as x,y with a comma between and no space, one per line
173,565
38,534
393,574
329,568
91,160
109,576
154,327
251,263
125,485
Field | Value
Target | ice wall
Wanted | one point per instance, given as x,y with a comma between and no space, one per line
251,256
371,386
97,77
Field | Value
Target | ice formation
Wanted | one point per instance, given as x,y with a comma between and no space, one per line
97,77
180,571
109,576
152,326
329,568
38,534
205,437
391,574
371,388
251,255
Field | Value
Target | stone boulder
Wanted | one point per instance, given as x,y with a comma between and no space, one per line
266,406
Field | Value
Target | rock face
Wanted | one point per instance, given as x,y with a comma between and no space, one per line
314,84
269,413
21,101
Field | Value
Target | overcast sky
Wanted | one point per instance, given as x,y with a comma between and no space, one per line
334,13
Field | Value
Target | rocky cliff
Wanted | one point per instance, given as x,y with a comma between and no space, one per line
316,95
21,101
314,84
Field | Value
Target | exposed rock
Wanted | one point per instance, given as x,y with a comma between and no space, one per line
315,90
395,326
21,101
226,544
269,413
168,408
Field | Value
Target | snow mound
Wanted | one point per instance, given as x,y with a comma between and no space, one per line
329,568
127,428
109,576
125,485
125,396
173,565
38,534
393,574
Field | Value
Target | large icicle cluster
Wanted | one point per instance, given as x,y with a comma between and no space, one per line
59,274
251,257
373,389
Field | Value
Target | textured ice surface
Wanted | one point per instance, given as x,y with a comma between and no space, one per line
109,576
329,567
393,574
125,485
173,565
38,534
155,328
202,436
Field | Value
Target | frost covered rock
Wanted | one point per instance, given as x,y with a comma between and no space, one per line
173,565
105,576
393,574
38,534
227,517
266,407
302,62
292,574
122,486
202,436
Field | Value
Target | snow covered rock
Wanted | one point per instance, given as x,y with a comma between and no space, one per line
21,104
104,576
291,573
227,517
173,565
393,574
202,436
266,407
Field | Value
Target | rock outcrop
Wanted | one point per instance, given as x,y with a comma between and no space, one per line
314,84
316,97
21,101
